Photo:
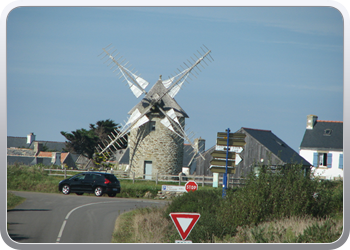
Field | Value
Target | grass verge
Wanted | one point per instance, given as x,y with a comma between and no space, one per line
142,225
150,225
13,200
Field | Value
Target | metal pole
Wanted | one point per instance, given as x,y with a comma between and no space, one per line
224,184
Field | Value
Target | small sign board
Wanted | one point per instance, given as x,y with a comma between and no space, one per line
173,188
222,169
222,162
231,142
230,149
183,241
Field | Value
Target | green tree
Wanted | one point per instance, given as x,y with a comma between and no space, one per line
103,129
83,141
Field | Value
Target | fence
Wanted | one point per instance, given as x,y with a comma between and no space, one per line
179,179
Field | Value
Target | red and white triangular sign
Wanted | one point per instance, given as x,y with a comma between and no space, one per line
184,222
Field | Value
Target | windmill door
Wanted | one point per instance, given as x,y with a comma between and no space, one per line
148,170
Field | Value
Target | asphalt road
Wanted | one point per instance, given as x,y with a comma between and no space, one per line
58,218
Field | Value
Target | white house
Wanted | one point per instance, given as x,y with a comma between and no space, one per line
322,146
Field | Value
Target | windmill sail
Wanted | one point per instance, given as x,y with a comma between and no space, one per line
136,84
174,87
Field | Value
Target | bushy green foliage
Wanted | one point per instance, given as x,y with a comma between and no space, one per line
320,233
271,195
30,178
138,189
204,202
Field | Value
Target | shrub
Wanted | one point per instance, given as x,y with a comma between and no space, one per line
317,233
203,202
288,192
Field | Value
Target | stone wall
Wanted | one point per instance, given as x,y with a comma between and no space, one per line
156,143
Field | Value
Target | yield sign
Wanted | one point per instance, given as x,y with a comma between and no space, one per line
184,222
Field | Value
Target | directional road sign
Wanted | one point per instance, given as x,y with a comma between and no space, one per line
184,222
231,135
222,169
222,154
235,139
232,142
222,162
230,149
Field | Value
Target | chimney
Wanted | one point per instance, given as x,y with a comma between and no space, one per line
38,147
56,158
311,121
200,144
30,138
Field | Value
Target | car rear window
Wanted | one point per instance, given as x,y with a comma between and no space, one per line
111,177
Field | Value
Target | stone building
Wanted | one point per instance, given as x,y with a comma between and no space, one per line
155,147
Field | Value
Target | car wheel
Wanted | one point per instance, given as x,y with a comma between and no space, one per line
98,191
112,194
79,193
66,189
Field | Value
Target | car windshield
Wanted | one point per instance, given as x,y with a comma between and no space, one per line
78,176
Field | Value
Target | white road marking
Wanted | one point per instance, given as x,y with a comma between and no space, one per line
70,212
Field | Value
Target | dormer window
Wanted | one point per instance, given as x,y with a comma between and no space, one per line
327,132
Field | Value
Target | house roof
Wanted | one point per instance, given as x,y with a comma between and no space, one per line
44,154
26,160
20,152
17,142
21,142
276,146
326,135
166,103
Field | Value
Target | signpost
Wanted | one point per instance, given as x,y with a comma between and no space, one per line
184,223
226,155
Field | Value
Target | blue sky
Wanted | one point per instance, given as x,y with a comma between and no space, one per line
272,66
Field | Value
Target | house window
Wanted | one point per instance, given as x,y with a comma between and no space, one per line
327,132
322,160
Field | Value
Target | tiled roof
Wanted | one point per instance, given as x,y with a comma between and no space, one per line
63,156
44,154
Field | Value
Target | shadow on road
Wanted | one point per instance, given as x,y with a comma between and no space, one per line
23,210
18,237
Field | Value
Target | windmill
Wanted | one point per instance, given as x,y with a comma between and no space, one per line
155,129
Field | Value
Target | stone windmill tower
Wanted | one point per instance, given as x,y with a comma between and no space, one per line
156,125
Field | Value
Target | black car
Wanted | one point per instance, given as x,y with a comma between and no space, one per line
91,182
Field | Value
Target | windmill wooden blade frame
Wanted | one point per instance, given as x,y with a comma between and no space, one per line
153,101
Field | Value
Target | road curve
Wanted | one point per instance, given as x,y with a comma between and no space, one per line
58,218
